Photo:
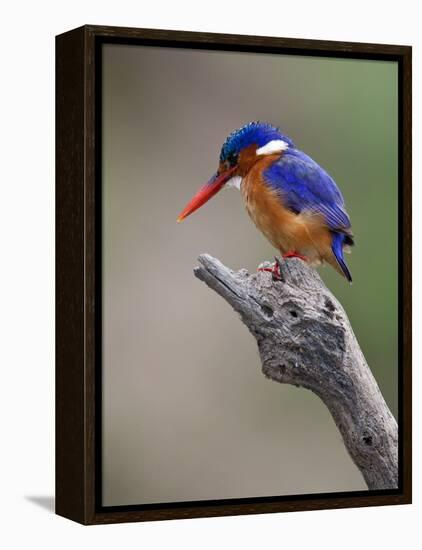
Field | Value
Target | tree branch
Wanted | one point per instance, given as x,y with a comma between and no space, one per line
305,339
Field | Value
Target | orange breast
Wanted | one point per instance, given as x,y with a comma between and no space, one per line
304,233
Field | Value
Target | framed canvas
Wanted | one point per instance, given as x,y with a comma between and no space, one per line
169,403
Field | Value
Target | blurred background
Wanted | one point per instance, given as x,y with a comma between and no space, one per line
187,414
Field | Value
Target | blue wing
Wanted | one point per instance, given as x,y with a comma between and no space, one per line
305,186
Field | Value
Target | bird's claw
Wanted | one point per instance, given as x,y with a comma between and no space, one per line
277,273
275,270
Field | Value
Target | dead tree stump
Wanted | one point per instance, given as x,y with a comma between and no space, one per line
305,339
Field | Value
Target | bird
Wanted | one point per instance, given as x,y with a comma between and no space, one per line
290,198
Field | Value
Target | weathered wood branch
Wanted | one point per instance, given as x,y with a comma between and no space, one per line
305,339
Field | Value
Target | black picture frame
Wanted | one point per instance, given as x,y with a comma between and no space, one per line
78,274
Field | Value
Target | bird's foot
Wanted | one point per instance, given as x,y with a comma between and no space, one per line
274,269
294,254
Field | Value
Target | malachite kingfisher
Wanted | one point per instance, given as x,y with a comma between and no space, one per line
290,198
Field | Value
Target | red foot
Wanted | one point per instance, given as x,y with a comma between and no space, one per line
294,254
274,270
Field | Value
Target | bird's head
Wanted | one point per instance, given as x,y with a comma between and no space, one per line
241,150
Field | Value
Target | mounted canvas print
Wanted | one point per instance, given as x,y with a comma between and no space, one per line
256,357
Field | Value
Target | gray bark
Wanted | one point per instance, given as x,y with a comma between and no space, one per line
305,339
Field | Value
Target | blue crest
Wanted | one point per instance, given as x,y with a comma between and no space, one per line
258,133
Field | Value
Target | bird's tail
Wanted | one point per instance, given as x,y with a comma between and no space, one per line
338,243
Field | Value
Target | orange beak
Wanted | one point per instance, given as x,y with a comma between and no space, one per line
211,188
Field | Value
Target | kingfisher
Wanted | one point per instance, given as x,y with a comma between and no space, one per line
294,202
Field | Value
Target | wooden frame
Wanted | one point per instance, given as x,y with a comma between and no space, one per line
78,310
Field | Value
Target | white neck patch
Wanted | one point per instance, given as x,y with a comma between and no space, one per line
234,182
273,146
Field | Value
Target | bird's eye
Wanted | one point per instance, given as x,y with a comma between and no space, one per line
231,161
